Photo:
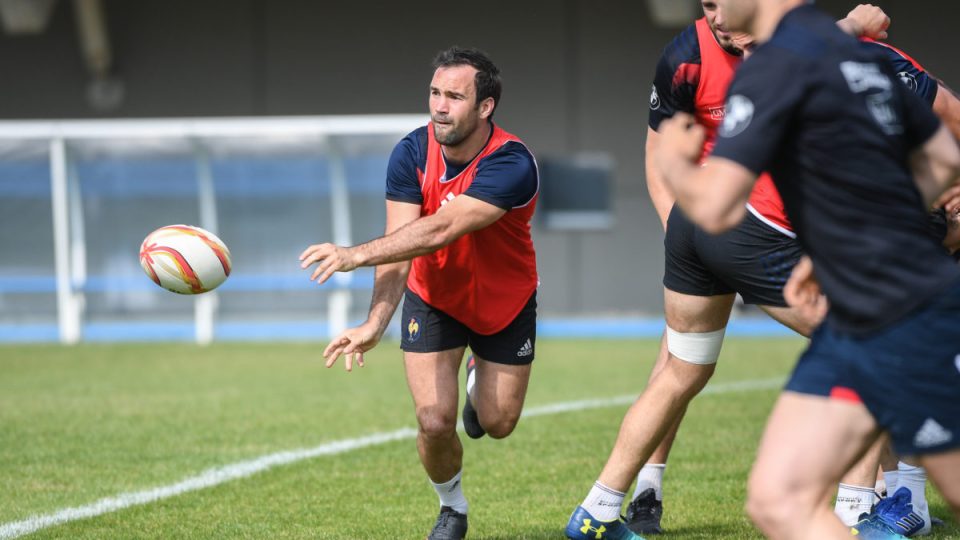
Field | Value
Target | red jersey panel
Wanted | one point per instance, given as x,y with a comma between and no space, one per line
716,71
484,278
693,75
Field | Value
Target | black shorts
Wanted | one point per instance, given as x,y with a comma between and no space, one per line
425,328
752,259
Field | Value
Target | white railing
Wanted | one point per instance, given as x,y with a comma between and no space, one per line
68,232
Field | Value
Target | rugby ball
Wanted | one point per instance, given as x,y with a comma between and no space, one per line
185,259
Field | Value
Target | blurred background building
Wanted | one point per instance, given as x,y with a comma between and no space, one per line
577,77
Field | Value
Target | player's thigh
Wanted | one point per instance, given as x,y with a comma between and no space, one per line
433,344
504,362
433,381
944,470
501,388
690,313
809,442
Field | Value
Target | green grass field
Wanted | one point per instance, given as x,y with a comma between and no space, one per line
81,424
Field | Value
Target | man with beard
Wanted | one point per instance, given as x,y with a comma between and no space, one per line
460,193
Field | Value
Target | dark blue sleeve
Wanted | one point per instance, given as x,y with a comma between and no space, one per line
765,94
407,157
676,78
916,79
921,123
507,178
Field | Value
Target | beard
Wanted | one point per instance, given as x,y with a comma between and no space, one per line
453,134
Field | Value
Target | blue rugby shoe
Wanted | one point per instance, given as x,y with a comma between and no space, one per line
583,526
893,516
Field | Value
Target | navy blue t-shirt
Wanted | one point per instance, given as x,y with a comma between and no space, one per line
833,124
507,178
676,79
913,76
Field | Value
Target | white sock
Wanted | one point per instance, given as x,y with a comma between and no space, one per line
851,502
471,383
915,479
451,493
890,479
603,503
650,476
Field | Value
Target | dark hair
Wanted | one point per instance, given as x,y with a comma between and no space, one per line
487,79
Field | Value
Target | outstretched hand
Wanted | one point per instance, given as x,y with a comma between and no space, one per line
352,343
329,258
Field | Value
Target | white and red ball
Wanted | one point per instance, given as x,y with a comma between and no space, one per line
185,259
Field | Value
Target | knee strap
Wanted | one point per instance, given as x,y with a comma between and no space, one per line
700,348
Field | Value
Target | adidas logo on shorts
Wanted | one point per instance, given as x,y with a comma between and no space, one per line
526,350
930,434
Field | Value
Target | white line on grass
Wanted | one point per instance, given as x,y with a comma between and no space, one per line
242,469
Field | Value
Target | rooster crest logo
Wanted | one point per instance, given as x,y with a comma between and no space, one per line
413,329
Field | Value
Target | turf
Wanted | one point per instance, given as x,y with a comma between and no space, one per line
79,424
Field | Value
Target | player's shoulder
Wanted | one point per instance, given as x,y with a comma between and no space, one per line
413,147
807,34
684,48
891,53
409,155
511,153
416,139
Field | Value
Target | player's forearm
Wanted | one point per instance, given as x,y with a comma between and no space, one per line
416,238
936,166
660,194
388,286
849,27
947,107
703,198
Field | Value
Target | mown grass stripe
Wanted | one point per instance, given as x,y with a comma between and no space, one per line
220,475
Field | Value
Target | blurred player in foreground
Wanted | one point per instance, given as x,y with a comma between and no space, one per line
460,196
856,157
909,516
702,273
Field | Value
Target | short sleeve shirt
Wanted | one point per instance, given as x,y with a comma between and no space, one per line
506,178
832,123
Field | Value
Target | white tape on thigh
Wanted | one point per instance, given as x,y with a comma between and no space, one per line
697,348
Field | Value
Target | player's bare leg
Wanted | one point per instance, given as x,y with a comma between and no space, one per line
662,452
669,391
696,324
855,495
498,395
643,514
432,378
944,470
793,476
645,510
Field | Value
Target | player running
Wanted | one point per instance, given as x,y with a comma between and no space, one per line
856,157
460,193
702,276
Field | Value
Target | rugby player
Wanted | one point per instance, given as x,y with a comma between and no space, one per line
857,157
460,194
